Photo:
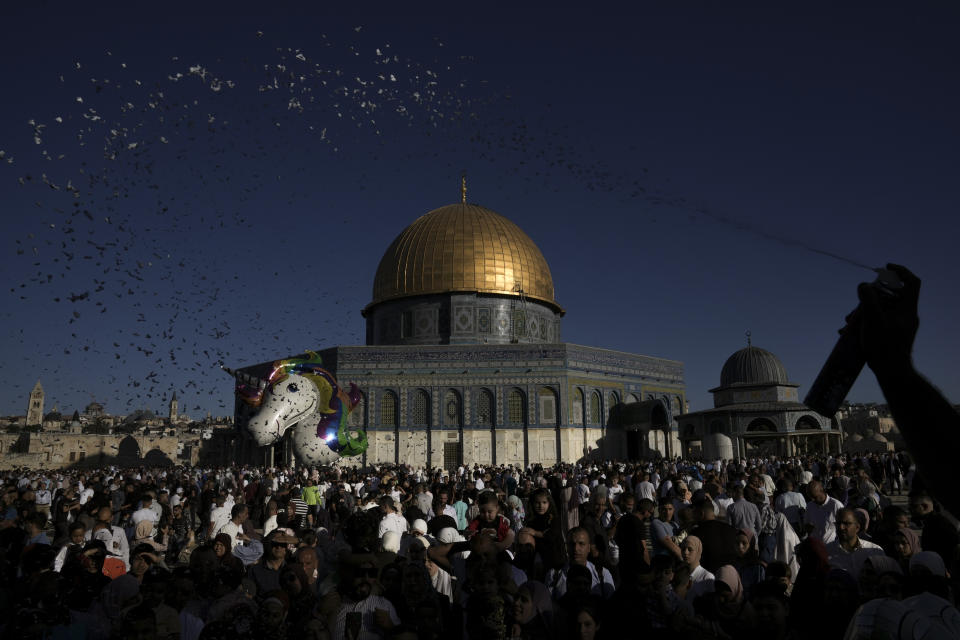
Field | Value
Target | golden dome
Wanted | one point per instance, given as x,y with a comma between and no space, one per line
463,248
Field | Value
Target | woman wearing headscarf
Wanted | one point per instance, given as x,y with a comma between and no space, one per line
726,607
727,579
222,545
906,544
751,570
302,597
871,570
785,549
533,612
928,573
806,598
701,580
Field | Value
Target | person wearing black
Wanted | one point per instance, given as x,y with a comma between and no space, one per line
719,538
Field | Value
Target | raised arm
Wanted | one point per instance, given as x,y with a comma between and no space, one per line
929,424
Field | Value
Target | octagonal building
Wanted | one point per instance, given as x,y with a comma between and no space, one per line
756,412
464,361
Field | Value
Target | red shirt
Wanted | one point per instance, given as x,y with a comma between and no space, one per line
502,527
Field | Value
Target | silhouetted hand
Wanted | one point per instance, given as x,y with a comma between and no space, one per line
889,323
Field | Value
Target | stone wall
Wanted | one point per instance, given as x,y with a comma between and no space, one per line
61,450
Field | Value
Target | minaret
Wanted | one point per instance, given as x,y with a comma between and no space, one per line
35,408
173,408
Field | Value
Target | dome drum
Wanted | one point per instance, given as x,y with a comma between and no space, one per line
462,274
461,318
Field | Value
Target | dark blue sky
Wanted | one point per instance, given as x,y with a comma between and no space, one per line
237,212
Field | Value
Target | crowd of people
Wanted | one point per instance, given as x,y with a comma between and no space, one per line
774,548
770,548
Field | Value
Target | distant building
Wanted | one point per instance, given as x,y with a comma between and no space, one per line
756,412
870,428
94,410
173,408
35,406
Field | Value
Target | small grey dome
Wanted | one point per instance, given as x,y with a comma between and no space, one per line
752,366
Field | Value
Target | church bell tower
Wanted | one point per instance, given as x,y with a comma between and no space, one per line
35,408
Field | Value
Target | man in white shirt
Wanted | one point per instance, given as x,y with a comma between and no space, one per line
583,491
43,498
118,544
645,489
424,499
791,504
848,550
614,489
86,494
219,516
821,515
234,527
391,521
145,512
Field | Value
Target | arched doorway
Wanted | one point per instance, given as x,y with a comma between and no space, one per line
761,438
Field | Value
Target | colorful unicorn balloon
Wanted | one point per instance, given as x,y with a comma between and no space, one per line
300,393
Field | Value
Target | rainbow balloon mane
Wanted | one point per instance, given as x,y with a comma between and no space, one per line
333,408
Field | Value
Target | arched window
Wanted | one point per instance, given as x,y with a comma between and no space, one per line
451,409
678,405
548,405
612,400
576,411
806,422
388,409
634,398
515,408
761,424
485,411
595,408
357,417
420,414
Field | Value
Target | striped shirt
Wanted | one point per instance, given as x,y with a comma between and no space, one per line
366,608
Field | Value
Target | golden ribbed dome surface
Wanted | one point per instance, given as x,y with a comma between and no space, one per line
463,248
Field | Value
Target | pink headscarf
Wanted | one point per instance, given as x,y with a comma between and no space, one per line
912,539
730,577
697,545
